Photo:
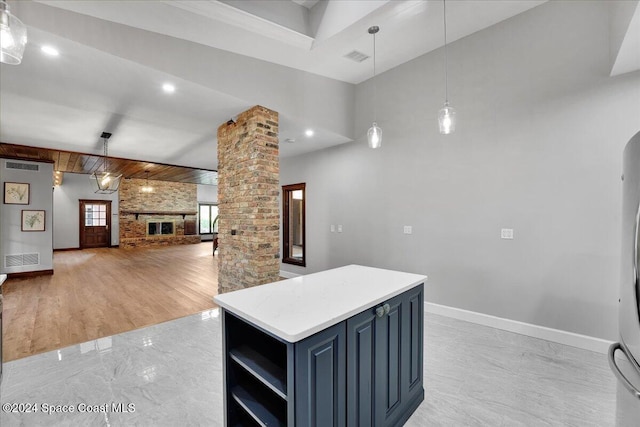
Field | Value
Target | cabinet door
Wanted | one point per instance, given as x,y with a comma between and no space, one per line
388,362
401,359
412,345
321,379
361,343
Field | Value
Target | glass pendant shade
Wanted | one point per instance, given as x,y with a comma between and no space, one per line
374,136
447,119
13,36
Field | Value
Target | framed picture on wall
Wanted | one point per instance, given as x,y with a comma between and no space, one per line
32,220
16,193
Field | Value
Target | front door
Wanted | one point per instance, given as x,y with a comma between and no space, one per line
95,224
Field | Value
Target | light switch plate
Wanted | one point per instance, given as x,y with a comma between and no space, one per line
408,229
333,228
506,233
339,228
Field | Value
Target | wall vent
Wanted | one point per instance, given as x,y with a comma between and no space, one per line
22,166
30,259
13,261
21,260
356,56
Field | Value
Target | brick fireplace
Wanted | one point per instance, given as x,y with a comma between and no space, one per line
164,217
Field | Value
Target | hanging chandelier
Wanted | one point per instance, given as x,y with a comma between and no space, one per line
146,188
447,114
374,135
105,182
13,36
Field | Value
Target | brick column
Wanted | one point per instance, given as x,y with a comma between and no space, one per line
248,201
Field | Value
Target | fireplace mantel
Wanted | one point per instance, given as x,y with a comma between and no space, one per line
136,213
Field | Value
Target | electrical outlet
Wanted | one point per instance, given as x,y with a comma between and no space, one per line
506,233
408,229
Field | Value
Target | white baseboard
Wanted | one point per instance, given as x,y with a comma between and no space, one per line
555,335
288,274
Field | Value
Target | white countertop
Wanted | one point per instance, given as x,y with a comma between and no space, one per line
3,277
294,309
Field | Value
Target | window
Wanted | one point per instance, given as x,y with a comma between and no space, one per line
95,215
208,215
293,224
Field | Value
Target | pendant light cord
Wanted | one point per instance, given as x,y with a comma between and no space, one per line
375,86
106,156
446,82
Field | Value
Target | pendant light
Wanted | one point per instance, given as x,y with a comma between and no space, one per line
447,114
105,181
13,36
374,135
147,188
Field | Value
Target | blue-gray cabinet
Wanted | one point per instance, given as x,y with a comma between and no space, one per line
363,371
384,361
321,378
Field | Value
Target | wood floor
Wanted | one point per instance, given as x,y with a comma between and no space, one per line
100,292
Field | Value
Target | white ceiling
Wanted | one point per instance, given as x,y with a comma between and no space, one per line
115,56
625,36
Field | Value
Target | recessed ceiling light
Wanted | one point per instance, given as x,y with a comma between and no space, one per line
309,132
168,88
50,50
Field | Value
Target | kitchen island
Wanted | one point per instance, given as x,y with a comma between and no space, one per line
335,348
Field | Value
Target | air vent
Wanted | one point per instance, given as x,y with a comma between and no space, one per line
30,259
21,260
356,56
13,261
22,166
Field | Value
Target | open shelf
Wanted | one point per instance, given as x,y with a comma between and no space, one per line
263,369
258,408
256,375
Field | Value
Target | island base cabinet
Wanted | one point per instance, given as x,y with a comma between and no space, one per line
365,371
384,362
257,386
321,378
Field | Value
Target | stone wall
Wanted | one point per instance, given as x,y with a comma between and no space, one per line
248,201
166,198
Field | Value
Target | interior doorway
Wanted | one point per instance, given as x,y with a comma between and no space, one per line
95,224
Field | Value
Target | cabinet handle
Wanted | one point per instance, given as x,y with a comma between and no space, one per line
383,310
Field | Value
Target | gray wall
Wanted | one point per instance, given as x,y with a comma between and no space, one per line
14,241
538,149
66,224
207,193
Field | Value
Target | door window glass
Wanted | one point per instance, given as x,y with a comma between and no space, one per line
95,215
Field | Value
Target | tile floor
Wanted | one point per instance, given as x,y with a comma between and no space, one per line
171,375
